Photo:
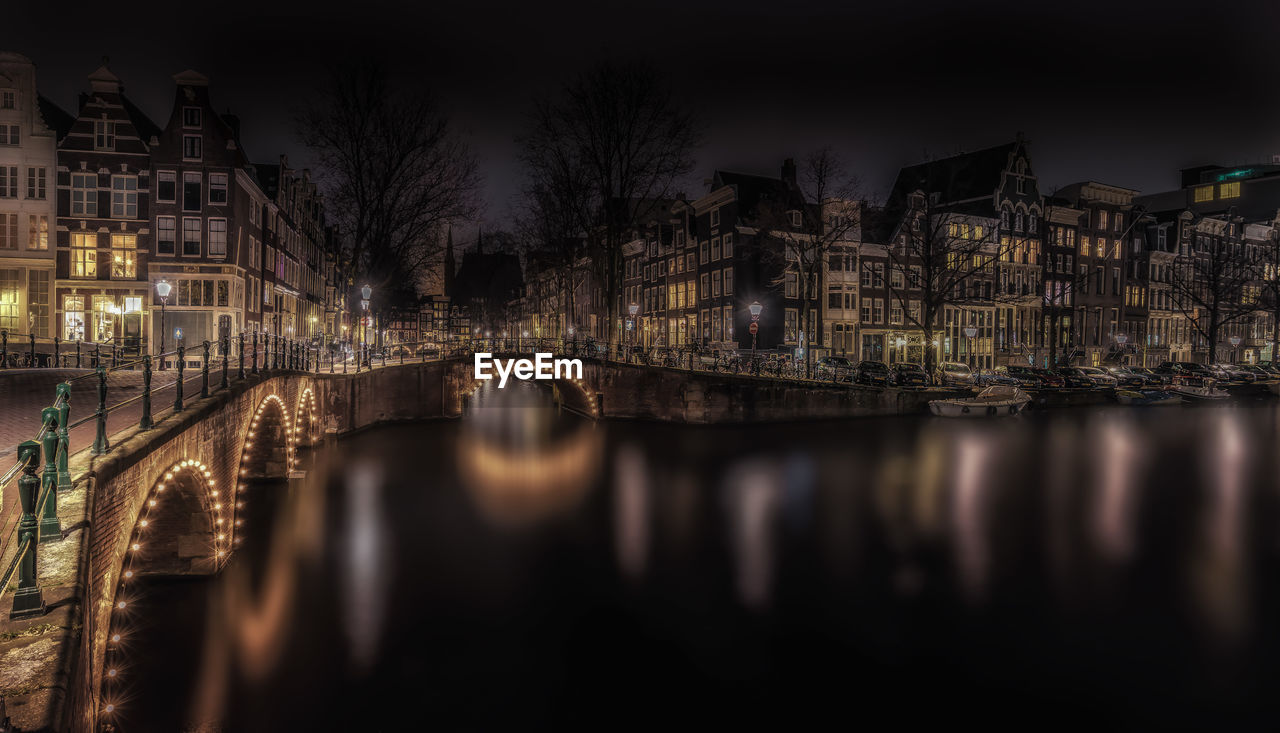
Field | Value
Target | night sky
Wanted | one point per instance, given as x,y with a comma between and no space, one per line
1125,94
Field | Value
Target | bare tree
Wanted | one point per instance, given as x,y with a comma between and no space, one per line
1213,284
620,129
825,198
557,211
393,172
1267,277
945,259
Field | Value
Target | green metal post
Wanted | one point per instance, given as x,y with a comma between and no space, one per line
182,363
57,342
255,352
204,372
50,529
64,436
27,600
145,423
240,369
226,361
32,363
100,444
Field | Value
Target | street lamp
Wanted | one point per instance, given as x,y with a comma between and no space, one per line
366,293
755,308
1235,344
633,309
163,289
969,333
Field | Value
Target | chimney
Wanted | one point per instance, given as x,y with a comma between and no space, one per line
789,170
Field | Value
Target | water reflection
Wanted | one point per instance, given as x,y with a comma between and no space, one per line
524,567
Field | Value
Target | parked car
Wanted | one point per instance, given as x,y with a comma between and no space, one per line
1271,367
1075,378
910,375
835,368
871,372
992,379
1259,374
1186,372
1126,378
954,374
1098,376
1235,374
1025,376
1048,379
1148,374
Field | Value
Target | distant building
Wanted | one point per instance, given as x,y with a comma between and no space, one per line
483,286
30,127
105,235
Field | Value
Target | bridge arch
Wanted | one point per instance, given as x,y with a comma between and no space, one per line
265,454
575,393
304,418
180,530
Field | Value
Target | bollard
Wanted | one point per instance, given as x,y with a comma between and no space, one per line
145,423
32,361
27,600
182,363
100,444
240,370
204,372
50,529
64,436
226,355
4,349
77,353
344,360
255,352
57,342
97,355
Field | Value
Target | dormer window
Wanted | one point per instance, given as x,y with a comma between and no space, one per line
1004,219
8,99
191,147
715,217
191,117
794,216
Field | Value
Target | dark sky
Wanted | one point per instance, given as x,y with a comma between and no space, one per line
1122,93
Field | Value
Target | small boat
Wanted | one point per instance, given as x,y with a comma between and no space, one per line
1198,394
1147,398
994,401
1274,387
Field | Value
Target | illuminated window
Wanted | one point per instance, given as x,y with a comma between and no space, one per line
1203,193
84,254
1229,190
124,257
9,284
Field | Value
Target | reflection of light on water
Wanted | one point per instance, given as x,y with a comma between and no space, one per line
1219,575
969,511
1116,500
752,493
365,571
631,510
1059,475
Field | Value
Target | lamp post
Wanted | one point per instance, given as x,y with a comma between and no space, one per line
755,309
633,309
1235,345
366,293
969,333
163,289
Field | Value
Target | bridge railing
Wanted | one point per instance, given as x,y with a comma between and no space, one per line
31,351
122,392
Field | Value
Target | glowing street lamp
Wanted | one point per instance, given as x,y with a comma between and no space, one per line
969,333
755,309
163,289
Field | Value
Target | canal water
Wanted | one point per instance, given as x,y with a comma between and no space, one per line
1106,568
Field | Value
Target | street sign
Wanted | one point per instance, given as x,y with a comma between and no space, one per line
754,328
177,333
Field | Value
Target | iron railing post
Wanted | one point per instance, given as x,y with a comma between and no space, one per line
182,363
4,349
255,352
204,372
63,395
240,370
57,342
97,354
27,600
50,528
145,423
100,444
226,356
115,355
77,353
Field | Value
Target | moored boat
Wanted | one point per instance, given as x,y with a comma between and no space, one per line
995,401
1198,394
1147,398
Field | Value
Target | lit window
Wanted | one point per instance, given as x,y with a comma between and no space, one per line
124,257
1203,193
1229,190
84,254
